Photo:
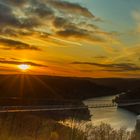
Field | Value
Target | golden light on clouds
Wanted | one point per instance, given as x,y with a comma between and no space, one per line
69,38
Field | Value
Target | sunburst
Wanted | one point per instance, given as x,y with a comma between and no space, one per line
24,67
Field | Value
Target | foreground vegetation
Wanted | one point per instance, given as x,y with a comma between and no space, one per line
33,127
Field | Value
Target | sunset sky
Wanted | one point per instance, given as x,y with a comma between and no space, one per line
86,38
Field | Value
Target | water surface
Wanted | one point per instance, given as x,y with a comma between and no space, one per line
117,117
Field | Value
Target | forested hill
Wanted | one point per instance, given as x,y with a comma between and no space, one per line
49,87
122,84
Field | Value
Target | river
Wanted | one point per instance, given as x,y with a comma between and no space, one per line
117,117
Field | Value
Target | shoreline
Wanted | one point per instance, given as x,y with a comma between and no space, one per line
133,108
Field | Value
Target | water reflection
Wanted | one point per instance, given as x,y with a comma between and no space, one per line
117,117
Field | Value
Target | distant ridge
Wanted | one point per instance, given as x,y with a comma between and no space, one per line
51,87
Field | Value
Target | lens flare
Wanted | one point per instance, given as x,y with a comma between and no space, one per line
23,67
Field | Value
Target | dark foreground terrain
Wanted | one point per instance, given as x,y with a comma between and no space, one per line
28,126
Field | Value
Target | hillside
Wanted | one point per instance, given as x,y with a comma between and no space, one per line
31,86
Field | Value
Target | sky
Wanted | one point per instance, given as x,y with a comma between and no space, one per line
82,38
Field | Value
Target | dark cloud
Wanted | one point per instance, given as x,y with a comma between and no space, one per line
60,22
16,45
15,2
7,17
72,32
90,26
81,34
18,63
41,10
60,5
12,58
8,32
112,67
68,29
71,7
100,57
30,18
29,23
16,32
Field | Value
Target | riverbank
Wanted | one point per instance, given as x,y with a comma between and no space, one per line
130,96
133,108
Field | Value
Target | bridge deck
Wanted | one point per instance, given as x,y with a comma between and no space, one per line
61,107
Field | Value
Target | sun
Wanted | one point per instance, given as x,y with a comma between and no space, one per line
23,67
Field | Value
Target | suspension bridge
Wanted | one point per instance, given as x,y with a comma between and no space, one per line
35,108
